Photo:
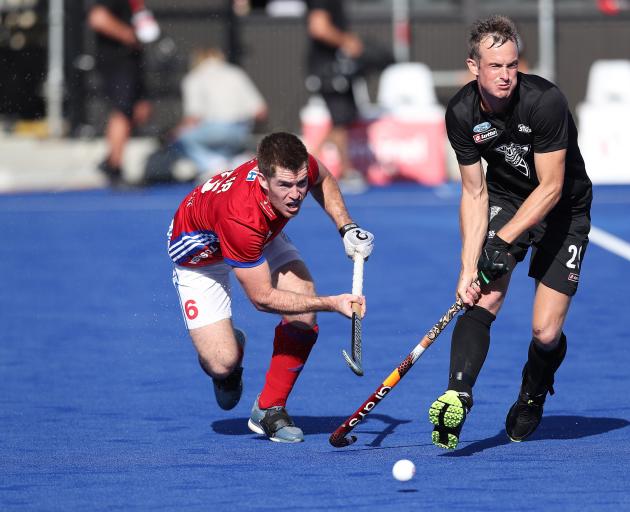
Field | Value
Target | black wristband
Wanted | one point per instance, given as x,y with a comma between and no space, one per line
344,229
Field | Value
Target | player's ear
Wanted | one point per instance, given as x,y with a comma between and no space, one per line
263,181
473,66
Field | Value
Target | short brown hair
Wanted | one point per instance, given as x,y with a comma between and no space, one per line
500,28
281,149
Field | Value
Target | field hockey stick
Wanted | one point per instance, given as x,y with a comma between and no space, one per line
338,438
354,362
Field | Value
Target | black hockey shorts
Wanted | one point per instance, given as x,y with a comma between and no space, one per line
558,244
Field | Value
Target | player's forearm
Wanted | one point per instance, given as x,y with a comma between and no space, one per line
533,210
285,302
473,221
329,197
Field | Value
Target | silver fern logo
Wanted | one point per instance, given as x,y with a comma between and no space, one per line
514,155
494,210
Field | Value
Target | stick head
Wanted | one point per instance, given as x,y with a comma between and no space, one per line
341,441
356,368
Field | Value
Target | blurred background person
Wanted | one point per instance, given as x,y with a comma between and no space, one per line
120,62
331,50
221,107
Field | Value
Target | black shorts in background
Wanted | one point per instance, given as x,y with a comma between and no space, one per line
123,84
558,244
342,107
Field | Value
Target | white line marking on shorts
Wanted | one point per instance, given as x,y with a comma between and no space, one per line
610,242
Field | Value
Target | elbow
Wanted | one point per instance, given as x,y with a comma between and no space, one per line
97,18
315,32
318,25
477,194
261,302
554,193
260,305
481,195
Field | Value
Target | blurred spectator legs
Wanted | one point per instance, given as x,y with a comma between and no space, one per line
213,145
118,131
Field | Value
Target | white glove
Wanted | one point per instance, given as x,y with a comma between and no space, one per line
146,28
357,240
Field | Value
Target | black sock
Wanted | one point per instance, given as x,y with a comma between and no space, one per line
469,348
542,365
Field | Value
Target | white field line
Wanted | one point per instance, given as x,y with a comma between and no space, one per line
610,242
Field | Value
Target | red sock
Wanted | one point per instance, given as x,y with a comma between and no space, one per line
291,347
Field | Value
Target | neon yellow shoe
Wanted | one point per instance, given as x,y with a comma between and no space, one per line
448,414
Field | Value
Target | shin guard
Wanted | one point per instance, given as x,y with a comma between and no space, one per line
541,366
291,348
469,348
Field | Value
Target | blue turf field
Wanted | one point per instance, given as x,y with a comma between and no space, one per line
103,406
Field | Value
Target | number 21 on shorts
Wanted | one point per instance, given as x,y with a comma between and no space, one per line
575,256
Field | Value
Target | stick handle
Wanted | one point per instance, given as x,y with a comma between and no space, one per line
357,275
357,281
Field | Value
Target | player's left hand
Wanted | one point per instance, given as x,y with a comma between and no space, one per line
494,261
468,288
357,241
345,301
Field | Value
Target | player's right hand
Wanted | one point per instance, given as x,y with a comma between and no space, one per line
343,304
351,45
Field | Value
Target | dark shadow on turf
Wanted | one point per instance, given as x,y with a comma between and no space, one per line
551,427
311,425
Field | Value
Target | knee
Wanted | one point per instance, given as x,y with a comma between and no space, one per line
306,288
287,333
491,302
546,334
304,322
218,369
310,320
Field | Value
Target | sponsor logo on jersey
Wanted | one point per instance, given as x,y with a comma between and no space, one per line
480,138
574,277
514,154
251,175
494,210
482,127
203,255
523,128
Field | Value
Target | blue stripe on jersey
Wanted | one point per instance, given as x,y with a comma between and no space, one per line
244,264
188,244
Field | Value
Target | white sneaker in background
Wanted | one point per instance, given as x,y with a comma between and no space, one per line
353,182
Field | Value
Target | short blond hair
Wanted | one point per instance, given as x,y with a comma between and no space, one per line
500,28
